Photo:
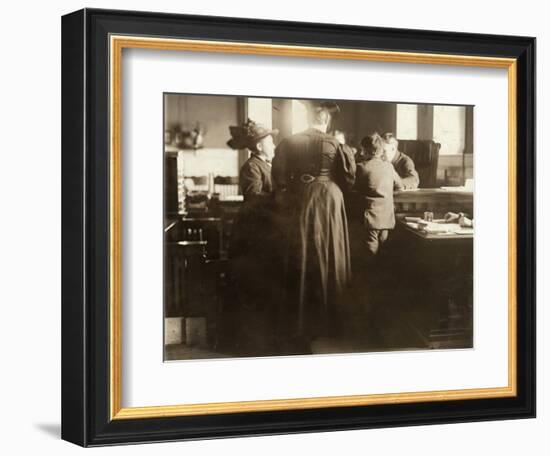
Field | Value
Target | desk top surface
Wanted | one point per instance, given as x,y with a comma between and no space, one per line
434,237
429,193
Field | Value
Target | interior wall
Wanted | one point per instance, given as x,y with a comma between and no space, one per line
357,119
282,117
452,127
215,114
406,121
260,110
425,119
449,129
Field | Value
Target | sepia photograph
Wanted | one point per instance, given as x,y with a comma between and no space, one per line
315,226
279,227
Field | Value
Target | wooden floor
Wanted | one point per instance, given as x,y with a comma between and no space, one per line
362,337
404,302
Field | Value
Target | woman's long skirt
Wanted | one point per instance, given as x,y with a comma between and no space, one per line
323,256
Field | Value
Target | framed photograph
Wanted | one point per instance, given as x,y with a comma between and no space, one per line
278,227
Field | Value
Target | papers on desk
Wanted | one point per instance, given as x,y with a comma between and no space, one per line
439,228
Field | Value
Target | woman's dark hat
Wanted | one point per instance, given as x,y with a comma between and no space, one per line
247,135
329,106
315,106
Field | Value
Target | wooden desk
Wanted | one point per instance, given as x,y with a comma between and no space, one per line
435,274
435,200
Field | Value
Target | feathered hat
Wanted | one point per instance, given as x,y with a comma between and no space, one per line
248,134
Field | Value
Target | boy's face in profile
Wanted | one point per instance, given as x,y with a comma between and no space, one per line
266,147
389,150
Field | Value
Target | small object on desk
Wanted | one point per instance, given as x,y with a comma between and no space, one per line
460,218
412,219
450,217
428,216
465,222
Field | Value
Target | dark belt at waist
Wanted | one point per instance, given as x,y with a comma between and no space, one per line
308,178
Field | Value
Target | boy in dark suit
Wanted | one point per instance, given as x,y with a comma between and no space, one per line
255,174
376,180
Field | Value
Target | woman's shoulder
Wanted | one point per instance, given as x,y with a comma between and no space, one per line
319,134
296,138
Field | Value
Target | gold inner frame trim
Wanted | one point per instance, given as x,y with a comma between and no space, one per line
117,44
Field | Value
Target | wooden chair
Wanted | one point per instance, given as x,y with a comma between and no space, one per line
425,154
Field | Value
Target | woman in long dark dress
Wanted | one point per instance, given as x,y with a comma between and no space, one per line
310,172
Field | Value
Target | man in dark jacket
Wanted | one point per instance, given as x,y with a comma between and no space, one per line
403,164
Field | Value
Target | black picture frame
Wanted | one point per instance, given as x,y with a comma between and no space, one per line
85,228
